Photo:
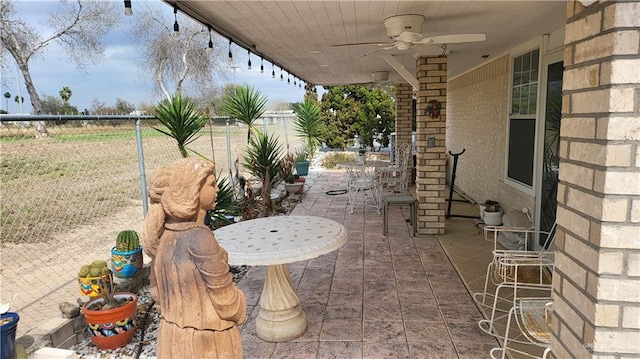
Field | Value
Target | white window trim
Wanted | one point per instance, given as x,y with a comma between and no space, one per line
523,49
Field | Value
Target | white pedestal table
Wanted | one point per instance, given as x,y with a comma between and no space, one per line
275,242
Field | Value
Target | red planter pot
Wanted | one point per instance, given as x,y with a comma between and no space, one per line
111,328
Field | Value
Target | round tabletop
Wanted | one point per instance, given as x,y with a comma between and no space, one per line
280,239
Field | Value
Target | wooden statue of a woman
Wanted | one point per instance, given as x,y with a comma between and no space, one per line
190,278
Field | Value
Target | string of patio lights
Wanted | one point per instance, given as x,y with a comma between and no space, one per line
176,28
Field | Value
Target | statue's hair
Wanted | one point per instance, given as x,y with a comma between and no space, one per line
174,192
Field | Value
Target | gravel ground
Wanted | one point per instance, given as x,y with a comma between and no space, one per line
148,317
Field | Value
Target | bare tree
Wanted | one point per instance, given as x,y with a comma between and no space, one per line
76,25
174,59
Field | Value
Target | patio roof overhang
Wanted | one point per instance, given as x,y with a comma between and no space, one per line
298,36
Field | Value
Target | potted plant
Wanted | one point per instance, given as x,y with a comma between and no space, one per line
111,317
8,327
302,162
491,213
292,186
126,256
93,279
308,126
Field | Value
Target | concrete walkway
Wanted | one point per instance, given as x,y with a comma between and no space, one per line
378,296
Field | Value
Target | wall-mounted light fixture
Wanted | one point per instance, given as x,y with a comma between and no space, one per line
176,27
230,53
288,78
261,65
281,77
249,62
127,8
273,71
210,40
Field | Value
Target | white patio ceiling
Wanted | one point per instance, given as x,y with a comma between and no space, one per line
297,35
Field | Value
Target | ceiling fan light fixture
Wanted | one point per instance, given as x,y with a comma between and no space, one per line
401,45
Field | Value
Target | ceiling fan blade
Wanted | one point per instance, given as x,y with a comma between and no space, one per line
376,50
362,44
452,39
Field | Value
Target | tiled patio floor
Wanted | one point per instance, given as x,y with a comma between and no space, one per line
379,296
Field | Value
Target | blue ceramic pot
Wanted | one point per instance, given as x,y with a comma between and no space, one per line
8,332
302,168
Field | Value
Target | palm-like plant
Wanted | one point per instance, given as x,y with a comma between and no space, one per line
65,94
308,125
7,96
182,121
264,161
246,104
226,205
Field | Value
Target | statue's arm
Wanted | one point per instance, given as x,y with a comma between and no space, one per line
212,263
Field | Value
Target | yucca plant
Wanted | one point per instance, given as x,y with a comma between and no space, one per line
264,161
226,205
246,104
308,125
182,121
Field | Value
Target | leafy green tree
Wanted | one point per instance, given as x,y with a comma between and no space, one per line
356,110
65,94
124,107
246,104
51,105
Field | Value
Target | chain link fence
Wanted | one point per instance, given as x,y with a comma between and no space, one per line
64,198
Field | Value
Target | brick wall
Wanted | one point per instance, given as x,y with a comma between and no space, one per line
431,162
477,122
404,113
597,276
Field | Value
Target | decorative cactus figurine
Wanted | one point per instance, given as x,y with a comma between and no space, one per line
127,241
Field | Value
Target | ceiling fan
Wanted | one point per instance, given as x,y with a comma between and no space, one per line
405,31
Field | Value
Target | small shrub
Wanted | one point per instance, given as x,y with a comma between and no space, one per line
332,159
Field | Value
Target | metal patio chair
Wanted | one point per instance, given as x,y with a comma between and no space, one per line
514,274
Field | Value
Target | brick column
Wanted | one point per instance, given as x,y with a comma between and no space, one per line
431,162
596,289
404,113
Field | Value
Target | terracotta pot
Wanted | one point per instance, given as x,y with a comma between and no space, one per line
111,328
299,180
124,264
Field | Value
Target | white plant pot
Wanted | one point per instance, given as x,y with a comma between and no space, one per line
482,208
492,218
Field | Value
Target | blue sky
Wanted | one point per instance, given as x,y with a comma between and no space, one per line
116,75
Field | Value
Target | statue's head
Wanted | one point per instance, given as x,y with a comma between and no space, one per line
177,186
